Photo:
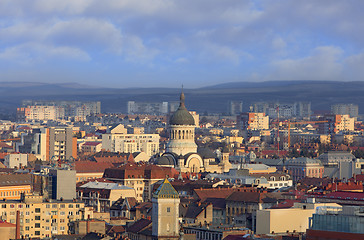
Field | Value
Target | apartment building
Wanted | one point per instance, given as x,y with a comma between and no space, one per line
18,160
102,195
345,109
13,185
253,121
119,141
336,123
139,177
49,143
55,110
40,113
38,219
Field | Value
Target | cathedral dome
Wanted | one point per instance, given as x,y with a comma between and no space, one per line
182,116
165,160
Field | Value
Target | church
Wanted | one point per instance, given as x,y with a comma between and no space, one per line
182,152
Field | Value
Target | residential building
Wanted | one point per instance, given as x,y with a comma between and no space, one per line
235,107
335,124
42,219
253,121
12,186
55,183
345,109
91,147
118,141
54,143
87,170
41,113
241,206
17,160
294,219
102,195
147,107
54,110
139,177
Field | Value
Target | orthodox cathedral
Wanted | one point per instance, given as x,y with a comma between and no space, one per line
182,152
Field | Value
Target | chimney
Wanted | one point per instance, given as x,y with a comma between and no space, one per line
17,230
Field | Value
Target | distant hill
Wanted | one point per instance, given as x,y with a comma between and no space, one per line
212,99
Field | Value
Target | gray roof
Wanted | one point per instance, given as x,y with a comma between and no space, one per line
182,116
303,161
105,185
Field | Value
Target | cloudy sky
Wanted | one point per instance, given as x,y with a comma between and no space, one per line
133,43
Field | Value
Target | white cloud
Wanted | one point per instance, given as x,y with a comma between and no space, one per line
323,64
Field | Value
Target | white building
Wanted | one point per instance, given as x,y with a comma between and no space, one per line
119,141
16,160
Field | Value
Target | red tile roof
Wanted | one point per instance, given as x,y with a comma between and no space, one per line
92,167
110,159
6,224
140,225
203,194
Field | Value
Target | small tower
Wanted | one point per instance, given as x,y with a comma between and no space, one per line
165,214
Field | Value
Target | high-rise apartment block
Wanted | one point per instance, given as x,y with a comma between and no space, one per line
38,219
147,107
49,143
253,121
55,110
336,123
235,107
272,109
345,109
55,183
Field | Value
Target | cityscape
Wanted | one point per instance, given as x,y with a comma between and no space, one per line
181,120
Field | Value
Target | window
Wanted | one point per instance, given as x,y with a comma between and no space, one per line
48,205
62,213
70,206
27,228
62,206
37,225
168,209
37,233
27,206
27,220
47,228
61,228
37,217
61,220
3,206
26,213
37,210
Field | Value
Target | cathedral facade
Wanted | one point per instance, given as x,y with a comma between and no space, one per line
182,152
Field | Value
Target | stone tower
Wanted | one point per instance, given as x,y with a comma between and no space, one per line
181,131
165,214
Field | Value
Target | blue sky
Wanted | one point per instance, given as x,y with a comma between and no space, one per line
164,43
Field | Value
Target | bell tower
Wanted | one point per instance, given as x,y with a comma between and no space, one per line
165,215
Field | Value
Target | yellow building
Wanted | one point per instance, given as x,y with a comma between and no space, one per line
43,219
13,185
293,219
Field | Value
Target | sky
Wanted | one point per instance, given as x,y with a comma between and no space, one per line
166,43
